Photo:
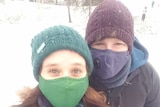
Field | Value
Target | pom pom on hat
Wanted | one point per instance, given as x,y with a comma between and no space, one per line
57,38
110,19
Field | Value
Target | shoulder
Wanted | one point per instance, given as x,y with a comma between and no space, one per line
154,94
144,79
144,90
148,71
146,75
148,83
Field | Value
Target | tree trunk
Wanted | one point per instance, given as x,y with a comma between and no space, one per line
90,4
69,13
56,2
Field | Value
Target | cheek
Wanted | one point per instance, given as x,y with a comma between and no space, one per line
124,48
43,74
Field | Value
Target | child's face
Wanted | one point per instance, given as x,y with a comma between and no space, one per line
63,63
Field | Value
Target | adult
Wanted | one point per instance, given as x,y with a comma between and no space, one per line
121,67
61,63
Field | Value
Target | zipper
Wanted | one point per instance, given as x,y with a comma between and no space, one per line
108,98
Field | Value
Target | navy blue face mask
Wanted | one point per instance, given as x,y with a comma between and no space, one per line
109,64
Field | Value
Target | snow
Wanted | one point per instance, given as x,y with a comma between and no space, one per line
20,21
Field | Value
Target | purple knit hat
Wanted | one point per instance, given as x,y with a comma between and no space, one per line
110,19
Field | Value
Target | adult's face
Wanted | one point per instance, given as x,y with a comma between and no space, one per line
63,63
113,44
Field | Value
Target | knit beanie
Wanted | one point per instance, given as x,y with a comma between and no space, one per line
57,38
110,19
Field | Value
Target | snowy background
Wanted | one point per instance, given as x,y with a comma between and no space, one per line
20,21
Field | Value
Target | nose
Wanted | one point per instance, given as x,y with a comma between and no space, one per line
108,46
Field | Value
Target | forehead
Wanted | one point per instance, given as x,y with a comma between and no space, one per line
64,56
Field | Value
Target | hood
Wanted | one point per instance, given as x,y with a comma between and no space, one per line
139,55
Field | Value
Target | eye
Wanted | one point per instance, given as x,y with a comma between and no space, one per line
119,46
98,45
76,72
119,43
54,71
51,72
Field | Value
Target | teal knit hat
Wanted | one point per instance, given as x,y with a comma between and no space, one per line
57,38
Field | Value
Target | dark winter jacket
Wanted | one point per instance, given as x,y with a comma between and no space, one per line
142,88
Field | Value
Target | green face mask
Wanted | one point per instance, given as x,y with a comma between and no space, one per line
64,92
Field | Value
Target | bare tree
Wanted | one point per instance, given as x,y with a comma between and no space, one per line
90,4
56,2
69,13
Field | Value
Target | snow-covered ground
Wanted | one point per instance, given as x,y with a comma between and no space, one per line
20,21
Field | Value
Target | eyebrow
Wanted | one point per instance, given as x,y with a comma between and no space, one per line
77,64
49,65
